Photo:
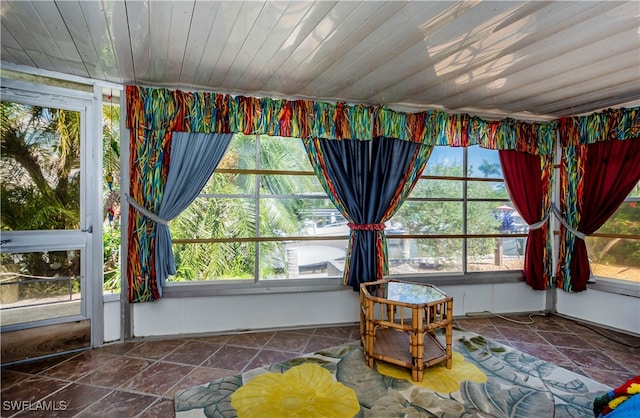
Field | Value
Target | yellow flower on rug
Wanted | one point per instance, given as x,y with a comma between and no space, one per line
438,377
305,391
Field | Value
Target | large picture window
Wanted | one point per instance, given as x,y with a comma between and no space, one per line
614,250
458,219
263,215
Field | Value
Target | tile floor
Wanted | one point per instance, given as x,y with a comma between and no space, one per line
139,379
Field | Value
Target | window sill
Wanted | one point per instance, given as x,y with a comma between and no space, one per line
620,287
211,288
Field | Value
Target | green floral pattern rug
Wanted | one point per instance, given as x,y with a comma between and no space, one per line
487,379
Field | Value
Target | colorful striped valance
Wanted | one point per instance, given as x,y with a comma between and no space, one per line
609,124
174,110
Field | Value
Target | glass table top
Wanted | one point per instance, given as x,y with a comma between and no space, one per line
409,292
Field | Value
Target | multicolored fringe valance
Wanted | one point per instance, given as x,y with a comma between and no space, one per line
620,124
180,111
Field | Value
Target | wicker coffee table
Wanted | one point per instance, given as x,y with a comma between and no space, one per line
398,322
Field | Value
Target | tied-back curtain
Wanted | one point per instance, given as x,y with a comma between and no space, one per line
367,181
595,180
160,190
194,157
528,179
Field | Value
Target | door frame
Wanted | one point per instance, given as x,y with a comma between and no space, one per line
86,99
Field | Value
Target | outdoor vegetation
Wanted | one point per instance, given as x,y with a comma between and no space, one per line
40,190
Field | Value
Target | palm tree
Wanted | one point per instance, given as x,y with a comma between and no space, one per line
40,181
235,216
487,168
40,168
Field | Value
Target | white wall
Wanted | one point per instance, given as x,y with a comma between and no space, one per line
604,308
202,315
112,318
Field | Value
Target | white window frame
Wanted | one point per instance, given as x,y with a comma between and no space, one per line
237,287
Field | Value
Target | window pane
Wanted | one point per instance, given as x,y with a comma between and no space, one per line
214,261
302,259
445,161
625,220
230,184
488,218
615,258
618,258
491,254
40,172
288,185
216,218
241,153
430,188
281,217
283,154
428,255
111,197
430,217
483,163
39,285
486,190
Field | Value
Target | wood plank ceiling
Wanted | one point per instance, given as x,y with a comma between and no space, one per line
532,60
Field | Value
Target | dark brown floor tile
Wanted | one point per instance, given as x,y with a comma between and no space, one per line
193,353
559,339
608,377
519,335
606,339
469,324
288,341
266,357
349,332
591,359
37,366
10,378
156,350
32,389
116,372
508,322
589,332
163,408
546,323
319,342
231,357
487,331
628,360
119,404
565,322
135,367
542,351
571,366
158,378
253,340
119,348
632,340
74,398
80,365
201,376
306,331
216,339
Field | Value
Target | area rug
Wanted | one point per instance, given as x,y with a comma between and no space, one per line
487,379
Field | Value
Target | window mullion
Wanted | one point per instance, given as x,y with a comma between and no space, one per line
465,161
256,269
